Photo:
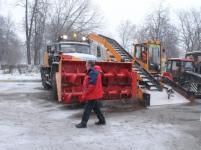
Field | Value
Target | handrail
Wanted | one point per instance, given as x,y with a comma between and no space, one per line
106,44
122,49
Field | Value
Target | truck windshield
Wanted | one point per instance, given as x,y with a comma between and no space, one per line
74,48
188,66
154,57
138,52
154,54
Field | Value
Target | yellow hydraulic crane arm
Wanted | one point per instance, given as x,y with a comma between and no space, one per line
106,44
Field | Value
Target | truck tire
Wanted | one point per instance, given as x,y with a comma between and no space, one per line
54,87
43,72
45,85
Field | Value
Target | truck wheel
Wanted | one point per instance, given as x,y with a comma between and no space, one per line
44,79
54,88
46,86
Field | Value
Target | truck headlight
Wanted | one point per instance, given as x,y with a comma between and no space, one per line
84,38
65,37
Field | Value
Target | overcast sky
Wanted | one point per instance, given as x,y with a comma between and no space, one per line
114,11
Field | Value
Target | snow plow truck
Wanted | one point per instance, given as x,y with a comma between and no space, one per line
64,70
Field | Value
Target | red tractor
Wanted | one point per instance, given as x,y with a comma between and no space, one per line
180,74
176,67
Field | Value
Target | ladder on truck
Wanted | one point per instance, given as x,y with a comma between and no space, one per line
125,56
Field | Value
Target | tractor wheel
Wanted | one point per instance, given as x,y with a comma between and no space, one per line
54,88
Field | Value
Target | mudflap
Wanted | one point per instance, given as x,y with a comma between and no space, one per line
146,100
54,88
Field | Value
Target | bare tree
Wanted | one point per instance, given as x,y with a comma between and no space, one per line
190,27
30,12
72,15
126,31
9,42
39,29
157,26
35,21
42,25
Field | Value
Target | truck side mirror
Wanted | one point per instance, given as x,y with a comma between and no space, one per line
52,49
98,51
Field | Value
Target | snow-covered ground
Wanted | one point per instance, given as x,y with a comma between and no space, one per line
161,98
21,77
31,120
20,87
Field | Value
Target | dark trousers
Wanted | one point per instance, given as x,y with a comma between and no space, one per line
89,106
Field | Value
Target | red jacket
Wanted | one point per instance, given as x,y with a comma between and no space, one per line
93,89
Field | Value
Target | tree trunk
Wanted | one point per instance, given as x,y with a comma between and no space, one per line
35,57
35,43
36,54
28,52
27,35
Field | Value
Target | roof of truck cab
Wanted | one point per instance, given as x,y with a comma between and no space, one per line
73,42
194,52
180,59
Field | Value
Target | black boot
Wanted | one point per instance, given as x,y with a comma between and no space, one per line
81,125
100,122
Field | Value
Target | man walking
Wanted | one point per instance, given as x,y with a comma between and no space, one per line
93,91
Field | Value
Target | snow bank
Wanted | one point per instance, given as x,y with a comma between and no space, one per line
161,98
20,77
23,87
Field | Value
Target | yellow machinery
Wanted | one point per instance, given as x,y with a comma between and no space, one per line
150,56
148,64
